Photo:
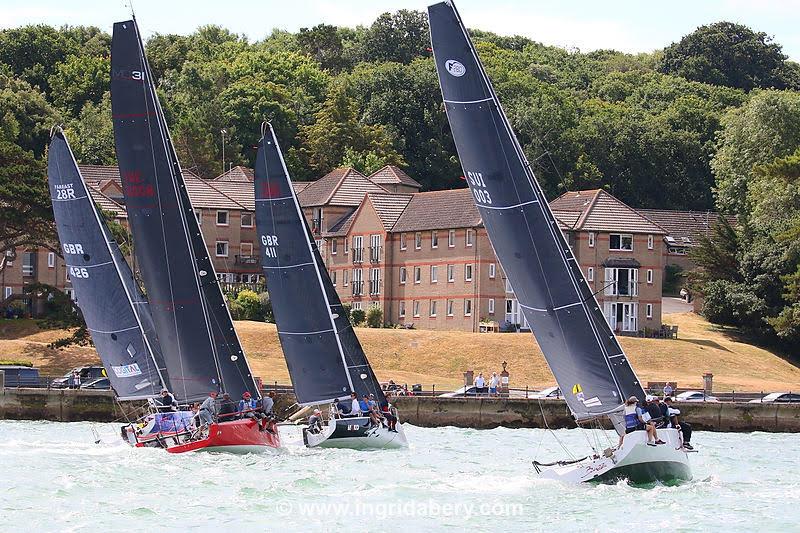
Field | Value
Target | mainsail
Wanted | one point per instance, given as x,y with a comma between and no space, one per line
324,356
201,349
588,363
114,309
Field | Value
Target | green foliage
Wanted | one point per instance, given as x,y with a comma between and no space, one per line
401,37
729,54
266,308
375,317
348,309
61,313
250,305
674,278
80,80
357,317
25,115
91,136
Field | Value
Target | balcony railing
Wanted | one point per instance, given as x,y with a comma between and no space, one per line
28,270
374,287
374,254
358,255
247,260
358,288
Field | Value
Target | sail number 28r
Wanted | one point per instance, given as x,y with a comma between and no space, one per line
479,188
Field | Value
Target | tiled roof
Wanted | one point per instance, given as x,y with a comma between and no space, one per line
342,186
236,174
685,227
389,206
597,210
390,175
566,219
300,186
241,192
439,210
106,203
94,174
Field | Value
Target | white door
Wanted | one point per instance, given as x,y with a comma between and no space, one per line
629,312
610,309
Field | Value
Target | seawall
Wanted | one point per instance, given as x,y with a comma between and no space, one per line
485,413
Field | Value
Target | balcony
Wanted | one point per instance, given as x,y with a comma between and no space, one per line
247,260
374,254
358,288
374,288
358,255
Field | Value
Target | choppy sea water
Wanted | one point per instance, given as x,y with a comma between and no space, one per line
54,477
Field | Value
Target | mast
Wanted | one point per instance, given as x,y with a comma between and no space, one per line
579,346
128,349
202,350
323,354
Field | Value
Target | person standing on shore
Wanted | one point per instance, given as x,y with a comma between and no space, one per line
494,383
480,384
668,390
76,380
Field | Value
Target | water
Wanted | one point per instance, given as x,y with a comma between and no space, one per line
53,476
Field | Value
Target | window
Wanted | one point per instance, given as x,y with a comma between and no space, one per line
28,263
402,275
450,305
467,272
226,277
358,282
621,282
346,246
199,216
590,274
358,250
492,270
416,308
508,286
357,306
345,277
470,237
246,249
334,246
8,292
316,220
649,310
491,306
451,273
222,218
649,242
402,241
434,273
451,238
222,248
247,220
374,281
591,239
620,242
417,240
433,308
649,276
417,274
434,239
401,311
467,307
374,248
51,260
333,277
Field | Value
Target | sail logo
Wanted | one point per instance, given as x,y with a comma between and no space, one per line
270,243
594,401
455,68
65,191
127,371
135,75
134,185
73,249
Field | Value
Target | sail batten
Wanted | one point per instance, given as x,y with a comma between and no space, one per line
202,350
536,258
324,357
104,286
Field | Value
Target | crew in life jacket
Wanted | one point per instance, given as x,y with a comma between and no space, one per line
247,405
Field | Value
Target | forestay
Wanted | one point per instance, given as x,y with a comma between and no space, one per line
323,354
201,349
580,348
114,309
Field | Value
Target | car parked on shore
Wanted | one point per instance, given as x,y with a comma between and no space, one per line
548,393
695,396
87,373
98,384
778,397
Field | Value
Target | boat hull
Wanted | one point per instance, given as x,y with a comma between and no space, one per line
235,436
355,433
635,462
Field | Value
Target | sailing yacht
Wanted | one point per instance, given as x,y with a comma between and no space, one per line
325,359
581,350
200,347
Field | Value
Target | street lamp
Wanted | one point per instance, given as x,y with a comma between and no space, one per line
224,132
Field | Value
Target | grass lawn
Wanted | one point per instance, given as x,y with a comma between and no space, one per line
440,357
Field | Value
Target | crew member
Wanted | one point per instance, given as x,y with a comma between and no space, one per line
208,409
355,407
167,402
247,405
681,425
227,408
315,422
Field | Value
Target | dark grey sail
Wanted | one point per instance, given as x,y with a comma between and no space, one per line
324,357
114,309
201,349
588,363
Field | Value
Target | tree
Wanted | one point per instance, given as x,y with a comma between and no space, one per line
325,45
728,54
375,317
61,313
80,80
91,136
25,115
33,53
357,316
401,36
765,128
249,305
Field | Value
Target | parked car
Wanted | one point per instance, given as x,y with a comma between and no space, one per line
88,373
695,396
472,391
779,397
549,392
98,384
20,376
